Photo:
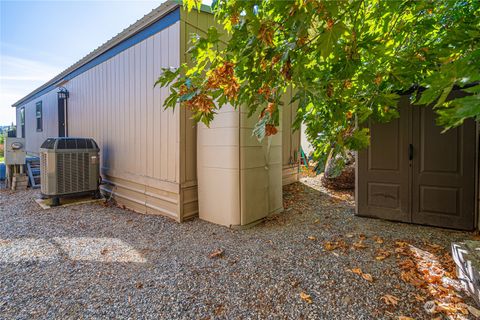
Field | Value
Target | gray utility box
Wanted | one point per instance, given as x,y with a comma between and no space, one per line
14,151
69,166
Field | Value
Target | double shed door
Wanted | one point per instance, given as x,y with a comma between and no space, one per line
411,172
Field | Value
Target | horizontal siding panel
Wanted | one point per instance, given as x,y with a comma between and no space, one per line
50,121
115,103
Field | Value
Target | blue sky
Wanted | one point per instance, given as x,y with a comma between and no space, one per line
39,39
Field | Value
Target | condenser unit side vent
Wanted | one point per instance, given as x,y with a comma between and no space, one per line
43,172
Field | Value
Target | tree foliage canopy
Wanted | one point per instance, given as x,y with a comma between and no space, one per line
347,61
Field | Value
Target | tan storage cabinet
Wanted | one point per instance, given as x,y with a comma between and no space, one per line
239,179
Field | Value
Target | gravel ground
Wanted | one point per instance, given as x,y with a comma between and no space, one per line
95,261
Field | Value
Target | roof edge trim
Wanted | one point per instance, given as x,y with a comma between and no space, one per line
161,18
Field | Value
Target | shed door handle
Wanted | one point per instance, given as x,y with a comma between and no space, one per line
410,152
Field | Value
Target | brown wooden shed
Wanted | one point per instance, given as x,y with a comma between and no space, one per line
412,172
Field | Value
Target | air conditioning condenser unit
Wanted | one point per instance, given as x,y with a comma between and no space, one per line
69,166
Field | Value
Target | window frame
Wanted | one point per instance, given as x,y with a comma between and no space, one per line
39,116
22,121
22,116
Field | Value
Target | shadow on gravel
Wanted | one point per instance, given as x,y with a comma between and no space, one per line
92,261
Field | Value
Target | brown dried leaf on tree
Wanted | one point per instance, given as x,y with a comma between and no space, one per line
265,33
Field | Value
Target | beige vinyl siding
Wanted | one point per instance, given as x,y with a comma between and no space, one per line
191,22
34,139
116,104
149,155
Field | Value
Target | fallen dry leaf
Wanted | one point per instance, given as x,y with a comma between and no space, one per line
378,240
476,237
390,300
401,243
359,272
356,271
306,297
217,253
332,245
359,245
382,254
419,297
368,277
435,246
405,318
313,238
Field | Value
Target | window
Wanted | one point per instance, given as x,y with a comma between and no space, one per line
22,121
22,116
39,116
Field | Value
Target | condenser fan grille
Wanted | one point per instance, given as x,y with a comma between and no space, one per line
72,172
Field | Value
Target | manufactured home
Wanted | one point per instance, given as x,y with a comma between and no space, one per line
158,161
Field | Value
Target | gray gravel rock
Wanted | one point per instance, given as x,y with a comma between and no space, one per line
92,261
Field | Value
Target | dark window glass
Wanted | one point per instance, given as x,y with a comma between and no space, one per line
39,115
22,121
22,116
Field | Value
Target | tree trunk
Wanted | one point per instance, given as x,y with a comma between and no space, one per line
339,172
